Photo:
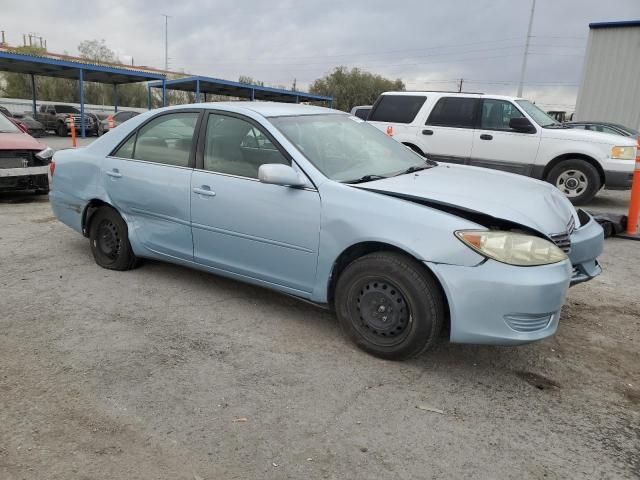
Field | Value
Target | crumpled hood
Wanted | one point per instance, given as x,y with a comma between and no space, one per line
532,203
19,141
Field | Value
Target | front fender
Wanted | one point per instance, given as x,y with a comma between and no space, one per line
352,215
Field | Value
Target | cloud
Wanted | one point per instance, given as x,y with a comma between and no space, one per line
428,44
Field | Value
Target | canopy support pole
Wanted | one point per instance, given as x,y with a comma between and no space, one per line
82,132
198,91
33,94
164,92
115,98
148,97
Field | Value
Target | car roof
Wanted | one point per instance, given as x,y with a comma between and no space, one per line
454,94
266,109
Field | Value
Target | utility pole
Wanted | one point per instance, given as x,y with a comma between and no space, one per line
166,41
460,85
526,49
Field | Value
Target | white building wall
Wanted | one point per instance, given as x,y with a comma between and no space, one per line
610,86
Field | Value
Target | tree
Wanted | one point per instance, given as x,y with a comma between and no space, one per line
250,80
353,87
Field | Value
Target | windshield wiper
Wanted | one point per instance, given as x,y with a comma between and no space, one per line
366,178
416,168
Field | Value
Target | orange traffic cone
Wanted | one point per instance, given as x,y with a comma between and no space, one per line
110,121
73,132
390,130
634,203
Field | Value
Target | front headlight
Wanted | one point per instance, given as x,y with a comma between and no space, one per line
623,153
46,154
512,248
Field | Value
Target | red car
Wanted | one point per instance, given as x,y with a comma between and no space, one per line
24,162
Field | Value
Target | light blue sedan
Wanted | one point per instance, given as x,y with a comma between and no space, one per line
318,204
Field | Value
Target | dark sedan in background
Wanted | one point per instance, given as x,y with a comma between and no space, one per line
24,122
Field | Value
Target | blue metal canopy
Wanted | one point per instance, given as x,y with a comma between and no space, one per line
83,71
216,86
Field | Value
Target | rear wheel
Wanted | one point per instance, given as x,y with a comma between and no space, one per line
109,239
389,305
577,179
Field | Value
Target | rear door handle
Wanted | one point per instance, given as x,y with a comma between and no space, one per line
427,132
115,173
486,136
204,190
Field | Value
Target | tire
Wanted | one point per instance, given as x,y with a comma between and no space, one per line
61,130
411,296
109,238
576,172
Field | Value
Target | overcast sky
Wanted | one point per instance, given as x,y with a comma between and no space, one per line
429,44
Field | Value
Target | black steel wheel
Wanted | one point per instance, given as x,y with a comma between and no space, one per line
109,239
389,305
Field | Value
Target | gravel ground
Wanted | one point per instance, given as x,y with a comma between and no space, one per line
165,372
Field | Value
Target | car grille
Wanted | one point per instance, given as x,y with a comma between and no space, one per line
76,119
563,240
16,159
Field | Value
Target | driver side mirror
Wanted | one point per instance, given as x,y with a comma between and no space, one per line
279,174
521,125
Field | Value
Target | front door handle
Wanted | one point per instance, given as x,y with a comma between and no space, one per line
115,173
427,132
204,190
486,136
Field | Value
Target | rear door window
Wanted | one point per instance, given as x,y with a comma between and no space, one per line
459,112
167,139
397,108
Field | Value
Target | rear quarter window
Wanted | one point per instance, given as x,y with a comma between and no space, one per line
397,108
459,112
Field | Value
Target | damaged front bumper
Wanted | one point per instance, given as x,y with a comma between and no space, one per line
587,243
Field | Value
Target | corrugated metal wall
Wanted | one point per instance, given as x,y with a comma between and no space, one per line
610,87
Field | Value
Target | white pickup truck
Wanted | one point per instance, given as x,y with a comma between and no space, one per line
507,133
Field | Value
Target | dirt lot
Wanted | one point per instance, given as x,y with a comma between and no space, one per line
164,372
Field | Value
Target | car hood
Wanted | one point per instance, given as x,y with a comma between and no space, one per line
576,134
19,141
515,198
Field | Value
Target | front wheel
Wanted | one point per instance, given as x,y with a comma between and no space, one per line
577,179
389,305
109,239
61,130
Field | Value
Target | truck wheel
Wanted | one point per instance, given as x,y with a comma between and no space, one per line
61,130
577,179
109,238
389,305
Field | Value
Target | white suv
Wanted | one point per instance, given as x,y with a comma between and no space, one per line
506,133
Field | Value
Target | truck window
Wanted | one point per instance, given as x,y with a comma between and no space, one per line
396,108
496,114
66,109
459,112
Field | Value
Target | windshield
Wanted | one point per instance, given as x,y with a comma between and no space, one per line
345,148
539,116
7,126
66,109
